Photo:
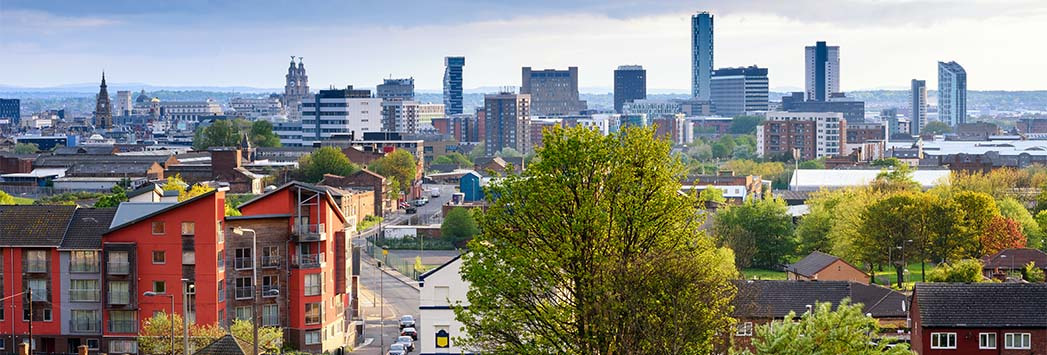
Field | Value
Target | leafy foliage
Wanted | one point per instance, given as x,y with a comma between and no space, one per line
457,159
155,335
368,222
325,160
26,148
459,225
745,124
399,166
1002,233
228,133
937,127
624,265
759,231
6,199
270,339
845,330
1032,273
967,270
113,199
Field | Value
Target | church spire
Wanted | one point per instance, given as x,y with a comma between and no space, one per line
103,78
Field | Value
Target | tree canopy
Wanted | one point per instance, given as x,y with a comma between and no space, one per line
155,335
457,159
400,166
459,225
937,127
845,330
271,339
6,199
26,148
228,133
325,160
760,231
624,265
745,124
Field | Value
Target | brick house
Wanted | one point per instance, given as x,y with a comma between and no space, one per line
824,267
763,301
979,318
365,179
1014,259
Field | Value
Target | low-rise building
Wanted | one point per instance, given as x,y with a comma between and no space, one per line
819,266
810,135
978,318
441,289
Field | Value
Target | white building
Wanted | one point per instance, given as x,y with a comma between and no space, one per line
427,112
828,133
441,288
189,111
400,116
123,103
652,108
340,112
817,179
821,71
267,108
290,133
599,122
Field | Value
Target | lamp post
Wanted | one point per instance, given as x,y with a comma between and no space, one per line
254,280
171,317
185,315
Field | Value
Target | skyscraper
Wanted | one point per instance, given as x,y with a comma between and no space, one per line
453,84
507,122
396,89
296,90
123,103
552,92
736,91
10,109
701,54
822,71
952,93
918,98
103,111
340,112
630,83
399,116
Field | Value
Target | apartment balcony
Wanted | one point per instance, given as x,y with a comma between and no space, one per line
243,263
268,291
307,261
309,232
123,326
87,295
270,261
85,326
36,266
244,293
118,268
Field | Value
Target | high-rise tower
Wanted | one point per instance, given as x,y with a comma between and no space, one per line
822,71
952,93
296,89
701,54
453,84
630,83
103,111
919,106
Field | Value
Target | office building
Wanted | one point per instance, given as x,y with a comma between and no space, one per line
399,116
507,122
453,84
123,103
552,92
853,111
952,93
652,108
396,89
296,89
822,71
427,112
189,111
267,108
290,133
11,111
341,113
918,98
739,91
630,83
889,117
808,135
701,55
103,115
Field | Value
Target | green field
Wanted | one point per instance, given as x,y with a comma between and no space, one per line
23,201
912,277
762,274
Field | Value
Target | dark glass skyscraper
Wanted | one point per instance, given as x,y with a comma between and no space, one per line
919,106
821,71
9,109
453,84
701,54
630,83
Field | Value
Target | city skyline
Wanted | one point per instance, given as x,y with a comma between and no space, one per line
69,43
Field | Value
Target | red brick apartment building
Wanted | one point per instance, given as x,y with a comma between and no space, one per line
979,318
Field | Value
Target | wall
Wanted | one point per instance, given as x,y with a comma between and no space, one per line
435,312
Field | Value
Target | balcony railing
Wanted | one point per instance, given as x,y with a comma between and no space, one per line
119,298
270,261
243,263
123,326
243,293
36,266
309,232
86,295
266,291
309,260
118,268
85,325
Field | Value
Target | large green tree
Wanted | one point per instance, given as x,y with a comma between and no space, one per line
745,124
229,133
26,148
325,160
262,134
271,339
455,158
844,330
893,228
399,166
937,127
459,225
593,250
155,335
759,231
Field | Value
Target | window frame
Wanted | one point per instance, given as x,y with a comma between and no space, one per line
937,337
97,291
275,310
1024,338
162,284
315,333
319,307
983,341
744,329
163,257
192,228
153,227
317,285
76,262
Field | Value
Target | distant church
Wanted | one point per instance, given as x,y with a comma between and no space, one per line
103,112
296,90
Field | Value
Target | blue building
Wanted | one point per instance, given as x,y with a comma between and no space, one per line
952,93
10,109
701,55
630,83
453,85
471,184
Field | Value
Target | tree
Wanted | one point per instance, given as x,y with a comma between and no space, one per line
6,199
759,231
745,124
459,225
937,127
812,164
897,179
457,159
262,134
1011,208
399,166
193,191
1032,273
271,339
155,335
113,199
509,152
813,232
967,270
26,148
711,195
174,183
890,225
325,160
591,250
891,162
220,133
845,330
1002,233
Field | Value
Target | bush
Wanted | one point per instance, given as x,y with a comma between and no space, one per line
411,242
368,222
1032,273
969,270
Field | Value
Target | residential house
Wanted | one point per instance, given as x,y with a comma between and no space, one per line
440,289
366,179
1012,261
819,266
979,318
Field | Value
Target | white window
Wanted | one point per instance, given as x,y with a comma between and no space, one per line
943,340
744,329
123,346
1017,341
243,313
270,315
313,284
312,337
986,340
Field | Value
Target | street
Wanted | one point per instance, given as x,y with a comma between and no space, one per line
430,212
399,299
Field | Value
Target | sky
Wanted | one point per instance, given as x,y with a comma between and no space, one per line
884,43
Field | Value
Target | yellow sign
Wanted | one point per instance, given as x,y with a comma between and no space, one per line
443,340
385,251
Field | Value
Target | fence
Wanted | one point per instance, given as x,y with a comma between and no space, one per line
406,266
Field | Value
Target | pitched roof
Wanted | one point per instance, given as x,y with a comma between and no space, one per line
1000,305
776,298
34,225
315,188
421,278
811,264
86,228
151,187
1015,259
130,214
226,345
133,169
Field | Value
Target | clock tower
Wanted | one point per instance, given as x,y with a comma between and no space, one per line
296,89
103,112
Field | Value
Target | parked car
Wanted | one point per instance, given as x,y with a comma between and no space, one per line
397,349
406,320
407,341
404,205
435,192
411,210
420,202
409,331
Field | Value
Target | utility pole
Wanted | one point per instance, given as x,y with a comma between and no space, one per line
30,292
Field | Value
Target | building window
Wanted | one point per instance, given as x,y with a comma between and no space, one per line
243,288
159,257
221,290
36,261
122,322
744,329
312,337
220,232
188,257
313,284
270,256
123,347
92,344
83,261
83,290
159,286
118,263
158,228
119,292
188,228
39,289
270,315
269,283
943,340
313,312
242,261
243,313
986,340
1017,341
221,259
85,321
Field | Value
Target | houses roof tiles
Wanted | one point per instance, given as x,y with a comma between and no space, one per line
1015,259
776,298
34,225
86,228
999,305
811,264
226,345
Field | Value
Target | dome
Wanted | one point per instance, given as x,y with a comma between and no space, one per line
142,97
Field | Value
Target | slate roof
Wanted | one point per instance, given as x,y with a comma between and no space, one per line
34,225
86,228
1015,259
151,187
129,211
226,345
982,305
88,169
775,298
811,264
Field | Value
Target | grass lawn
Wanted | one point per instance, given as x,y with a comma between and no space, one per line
912,277
23,201
762,274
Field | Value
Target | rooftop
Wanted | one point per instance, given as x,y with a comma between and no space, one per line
968,305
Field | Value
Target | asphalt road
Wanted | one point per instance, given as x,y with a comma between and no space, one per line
431,212
383,299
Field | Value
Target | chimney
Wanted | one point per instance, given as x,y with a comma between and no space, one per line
224,160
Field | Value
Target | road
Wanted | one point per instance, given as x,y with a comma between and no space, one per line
399,299
431,212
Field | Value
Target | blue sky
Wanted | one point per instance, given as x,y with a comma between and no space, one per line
884,43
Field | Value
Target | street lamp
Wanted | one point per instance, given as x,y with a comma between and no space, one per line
186,286
254,280
171,317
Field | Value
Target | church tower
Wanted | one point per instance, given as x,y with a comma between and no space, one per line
103,112
296,89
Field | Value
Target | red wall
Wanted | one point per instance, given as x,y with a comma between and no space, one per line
13,284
